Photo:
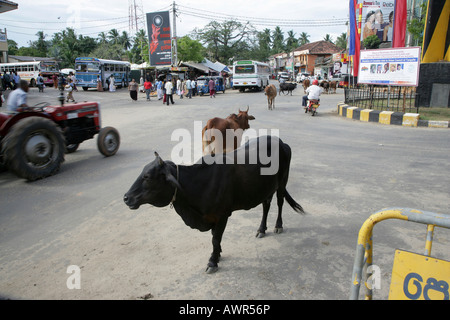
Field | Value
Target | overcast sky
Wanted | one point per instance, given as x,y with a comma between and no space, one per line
90,17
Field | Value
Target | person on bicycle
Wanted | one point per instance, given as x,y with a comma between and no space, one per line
313,93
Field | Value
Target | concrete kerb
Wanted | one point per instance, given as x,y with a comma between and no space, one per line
388,117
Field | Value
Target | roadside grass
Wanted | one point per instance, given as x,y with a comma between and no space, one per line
435,114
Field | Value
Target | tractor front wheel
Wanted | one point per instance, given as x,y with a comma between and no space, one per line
108,141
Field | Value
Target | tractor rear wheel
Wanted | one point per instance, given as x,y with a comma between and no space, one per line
34,148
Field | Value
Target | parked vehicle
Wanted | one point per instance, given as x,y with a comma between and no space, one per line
33,143
203,84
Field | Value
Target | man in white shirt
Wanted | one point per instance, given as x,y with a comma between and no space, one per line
313,93
189,88
17,100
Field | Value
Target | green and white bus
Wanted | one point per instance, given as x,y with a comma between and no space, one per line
250,75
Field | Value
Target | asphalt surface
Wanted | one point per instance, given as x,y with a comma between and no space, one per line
341,172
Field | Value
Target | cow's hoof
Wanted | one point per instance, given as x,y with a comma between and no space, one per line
278,230
260,234
211,269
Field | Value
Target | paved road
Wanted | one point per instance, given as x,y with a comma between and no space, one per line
341,172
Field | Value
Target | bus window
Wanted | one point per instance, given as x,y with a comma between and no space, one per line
244,69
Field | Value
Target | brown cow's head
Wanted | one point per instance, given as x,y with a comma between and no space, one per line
243,117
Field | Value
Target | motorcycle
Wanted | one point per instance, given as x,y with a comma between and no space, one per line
312,107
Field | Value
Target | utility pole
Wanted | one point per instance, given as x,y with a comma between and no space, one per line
174,38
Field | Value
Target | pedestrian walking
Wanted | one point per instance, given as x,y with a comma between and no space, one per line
148,88
212,88
99,84
159,89
133,89
69,88
16,80
189,89
55,80
40,82
169,91
194,87
112,84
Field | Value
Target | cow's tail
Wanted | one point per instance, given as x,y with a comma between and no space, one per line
297,207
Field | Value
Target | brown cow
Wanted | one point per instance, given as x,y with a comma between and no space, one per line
333,85
271,93
233,122
306,84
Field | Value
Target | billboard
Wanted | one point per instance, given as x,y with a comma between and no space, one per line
398,67
377,18
160,43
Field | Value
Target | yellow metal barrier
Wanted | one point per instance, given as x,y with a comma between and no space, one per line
363,257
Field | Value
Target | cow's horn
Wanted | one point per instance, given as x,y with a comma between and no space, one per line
160,161
248,107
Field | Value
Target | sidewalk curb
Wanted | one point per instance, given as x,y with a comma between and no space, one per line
388,117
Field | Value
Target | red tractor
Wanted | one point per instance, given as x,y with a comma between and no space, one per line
33,143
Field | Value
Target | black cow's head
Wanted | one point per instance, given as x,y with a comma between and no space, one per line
156,185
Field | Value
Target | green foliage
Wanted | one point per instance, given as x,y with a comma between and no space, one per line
416,26
190,50
371,42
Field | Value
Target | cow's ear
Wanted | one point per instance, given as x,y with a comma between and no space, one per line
251,118
172,180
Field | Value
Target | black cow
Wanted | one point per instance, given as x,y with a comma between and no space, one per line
287,86
206,193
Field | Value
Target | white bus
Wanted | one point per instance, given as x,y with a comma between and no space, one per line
88,69
251,75
30,70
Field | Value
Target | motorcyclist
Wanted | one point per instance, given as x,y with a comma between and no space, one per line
313,93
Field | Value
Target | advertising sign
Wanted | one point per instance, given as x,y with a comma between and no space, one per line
160,44
417,277
398,67
377,18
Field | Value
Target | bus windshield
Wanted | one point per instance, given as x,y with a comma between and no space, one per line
244,69
49,67
87,67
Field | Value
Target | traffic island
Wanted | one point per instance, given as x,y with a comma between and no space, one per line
388,117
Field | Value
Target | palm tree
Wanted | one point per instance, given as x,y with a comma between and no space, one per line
304,38
114,36
291,41
125,40
328,38
102,38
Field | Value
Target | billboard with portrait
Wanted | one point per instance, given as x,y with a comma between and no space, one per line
160,43
397,67
377,18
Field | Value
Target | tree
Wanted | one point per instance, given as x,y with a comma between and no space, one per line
304,38
291,41
328,38
371,42
13,47
125,40
341,41
224,39
416,26
114,36
278,40
190,50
